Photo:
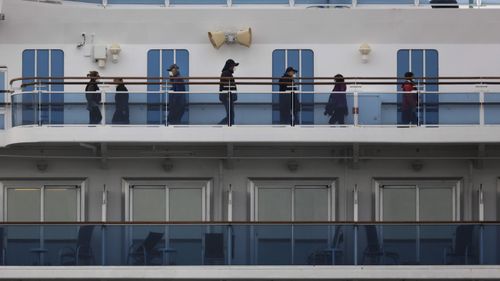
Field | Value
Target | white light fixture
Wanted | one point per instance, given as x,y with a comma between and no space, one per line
115,50
242,37
365,50
100,55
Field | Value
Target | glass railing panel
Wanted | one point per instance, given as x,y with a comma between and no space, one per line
341,3
458,109
76,110
209,109
140,2
250,244
330,108
132,108
491,108
2,121
286,2
376,109
253,109
197,2
272,244
24,109
436,244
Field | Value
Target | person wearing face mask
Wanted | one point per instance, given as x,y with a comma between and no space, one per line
227,91
176,101
93,97
288,100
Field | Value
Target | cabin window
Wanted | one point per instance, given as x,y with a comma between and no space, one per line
158,62
303,61
423,63
168,200
43,201
46,106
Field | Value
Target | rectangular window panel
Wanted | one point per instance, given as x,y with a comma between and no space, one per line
423,63
399,204
61,204
23,204
303,61
436,204
275,204
185,204
149,203
157,65
311,204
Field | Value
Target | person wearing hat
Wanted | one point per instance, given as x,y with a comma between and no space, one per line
227,89
176,101
337,102
288,110
121,115
93,97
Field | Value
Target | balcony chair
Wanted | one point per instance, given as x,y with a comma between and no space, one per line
330,256
374,252
82,252
461,251
146,252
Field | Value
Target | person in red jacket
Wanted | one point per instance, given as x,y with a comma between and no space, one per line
410,100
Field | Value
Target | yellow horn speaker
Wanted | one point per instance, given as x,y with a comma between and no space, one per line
244,37
217,38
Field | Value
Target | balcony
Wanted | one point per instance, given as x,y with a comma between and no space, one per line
297,3
278,245
372,115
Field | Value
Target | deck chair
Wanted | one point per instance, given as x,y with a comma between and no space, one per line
146,252
329,256
82,252
461,251
374,252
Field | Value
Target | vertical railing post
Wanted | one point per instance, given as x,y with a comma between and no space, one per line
167,3
103,107
354,3
229,3
417,3
39,104
355,108
355,218
229,109
291,3
481,107
229,247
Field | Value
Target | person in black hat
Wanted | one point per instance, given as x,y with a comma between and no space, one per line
93,96
121,115
227,91
289,102
176,101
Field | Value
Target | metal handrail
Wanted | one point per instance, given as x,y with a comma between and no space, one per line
254,222
384,80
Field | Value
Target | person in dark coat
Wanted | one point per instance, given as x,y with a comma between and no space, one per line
227,91
337,102
176,102
121,115
93,97
410,100
288,110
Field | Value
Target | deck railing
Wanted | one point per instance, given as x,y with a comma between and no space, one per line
250,243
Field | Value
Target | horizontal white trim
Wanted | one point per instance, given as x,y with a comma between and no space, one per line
250,134
251,272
